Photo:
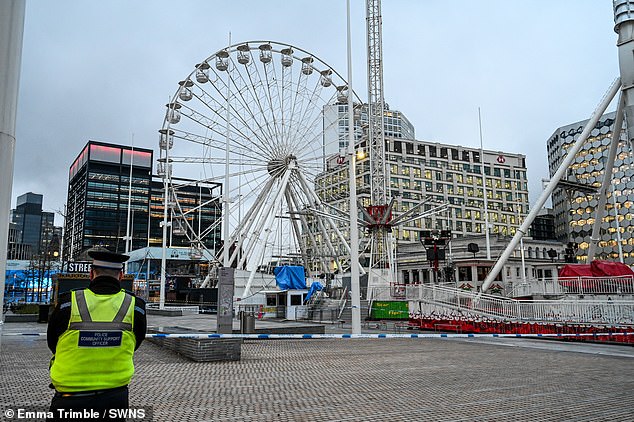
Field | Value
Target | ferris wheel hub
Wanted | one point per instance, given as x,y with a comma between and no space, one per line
278,166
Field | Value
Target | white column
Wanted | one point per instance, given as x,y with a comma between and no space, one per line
355,288
11,31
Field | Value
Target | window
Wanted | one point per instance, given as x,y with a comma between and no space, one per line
104,153
432,151
464,273
139,158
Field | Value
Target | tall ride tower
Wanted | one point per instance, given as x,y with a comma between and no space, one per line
379,215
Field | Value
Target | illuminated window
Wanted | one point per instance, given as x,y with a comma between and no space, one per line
105,153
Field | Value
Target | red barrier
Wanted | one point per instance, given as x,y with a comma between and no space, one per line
460,325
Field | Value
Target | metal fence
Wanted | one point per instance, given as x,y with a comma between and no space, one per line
429,300
574,286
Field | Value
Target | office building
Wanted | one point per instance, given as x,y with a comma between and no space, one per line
17,250
445,174
575,199
465,264
97,206
543,227
395,124
196,216
31,228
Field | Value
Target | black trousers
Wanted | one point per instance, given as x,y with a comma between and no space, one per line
103,402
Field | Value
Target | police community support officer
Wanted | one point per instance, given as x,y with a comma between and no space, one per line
93,334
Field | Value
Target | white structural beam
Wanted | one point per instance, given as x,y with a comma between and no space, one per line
11,32
559,174
266,220
599,211
624,27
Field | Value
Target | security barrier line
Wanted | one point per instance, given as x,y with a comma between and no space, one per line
354,336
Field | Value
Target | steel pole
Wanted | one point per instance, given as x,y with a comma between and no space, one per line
355,287
484,191
624,27
225,197
559,174
11,32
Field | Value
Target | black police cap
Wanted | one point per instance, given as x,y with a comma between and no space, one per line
103,258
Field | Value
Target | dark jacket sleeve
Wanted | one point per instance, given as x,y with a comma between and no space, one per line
58,322
140,321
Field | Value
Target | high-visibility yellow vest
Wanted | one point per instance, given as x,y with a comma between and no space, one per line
96,350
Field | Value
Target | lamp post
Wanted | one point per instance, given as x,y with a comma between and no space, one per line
51,254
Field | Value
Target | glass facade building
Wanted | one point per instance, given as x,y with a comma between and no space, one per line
395,124
97,204
575,199
197,214
32,228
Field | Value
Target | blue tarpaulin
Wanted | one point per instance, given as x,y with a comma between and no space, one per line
290,277
313,288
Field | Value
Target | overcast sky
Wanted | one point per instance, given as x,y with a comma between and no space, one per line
103,70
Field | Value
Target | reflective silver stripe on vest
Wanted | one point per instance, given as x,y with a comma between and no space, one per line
127,300
101,326
87,322
84,314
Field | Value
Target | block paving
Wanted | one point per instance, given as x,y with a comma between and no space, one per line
360,380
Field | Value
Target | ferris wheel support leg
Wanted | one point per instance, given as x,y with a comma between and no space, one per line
249,219
297,231
311,237
267,222
322,228
607,180
332,223
260,221
559,174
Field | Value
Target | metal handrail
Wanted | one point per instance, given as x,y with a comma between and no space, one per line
443,300
342,302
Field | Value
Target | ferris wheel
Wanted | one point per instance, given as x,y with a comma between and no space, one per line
262,119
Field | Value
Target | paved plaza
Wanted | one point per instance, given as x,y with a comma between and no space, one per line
479,379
